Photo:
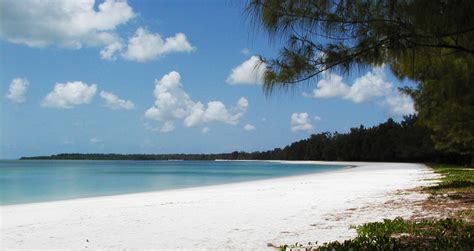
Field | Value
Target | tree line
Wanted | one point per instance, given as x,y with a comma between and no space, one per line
430,42
404,141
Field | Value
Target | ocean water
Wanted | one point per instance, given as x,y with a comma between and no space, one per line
26,181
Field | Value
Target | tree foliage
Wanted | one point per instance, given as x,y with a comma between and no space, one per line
444,100
328,34
428,41
389,141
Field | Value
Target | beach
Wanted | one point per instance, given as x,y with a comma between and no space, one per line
246,215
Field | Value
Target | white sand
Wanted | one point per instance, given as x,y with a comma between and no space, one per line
234,216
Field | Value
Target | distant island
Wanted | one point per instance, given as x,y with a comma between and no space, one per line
404,141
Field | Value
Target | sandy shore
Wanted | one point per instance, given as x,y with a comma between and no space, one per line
235,216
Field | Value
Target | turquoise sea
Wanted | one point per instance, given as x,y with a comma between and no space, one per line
26,181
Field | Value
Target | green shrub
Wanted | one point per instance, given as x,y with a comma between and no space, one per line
398,234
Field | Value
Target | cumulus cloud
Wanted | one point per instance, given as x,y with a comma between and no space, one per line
249,127
110,51
168,126
69,95
400,104
301,122
249,72
243,103
76,24
145,46
173,103
70,24
331,86
17,90
215,111
114,102
372,86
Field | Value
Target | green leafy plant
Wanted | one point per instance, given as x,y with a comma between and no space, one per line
399,234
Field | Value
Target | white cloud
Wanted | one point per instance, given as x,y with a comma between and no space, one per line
372,86
173,103
245,51
17,90
145,46
70,24
249,72
205,130
317,118
109,52
243,104
114,102
301,122
69,95
168,126
76,23
400,104
249,127
216,111
331,86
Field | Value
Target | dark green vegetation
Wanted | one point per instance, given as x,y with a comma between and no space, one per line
389,141
428,41
115,156
453,197
398,234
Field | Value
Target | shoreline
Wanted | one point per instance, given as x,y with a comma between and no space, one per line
214,186
250,214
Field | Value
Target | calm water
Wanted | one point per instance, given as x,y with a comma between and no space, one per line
28,181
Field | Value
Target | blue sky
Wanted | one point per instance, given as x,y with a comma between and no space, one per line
62,91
